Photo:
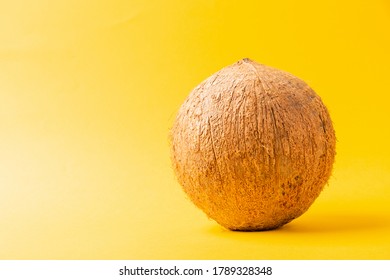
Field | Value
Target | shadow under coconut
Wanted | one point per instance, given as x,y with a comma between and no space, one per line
331,223
337,223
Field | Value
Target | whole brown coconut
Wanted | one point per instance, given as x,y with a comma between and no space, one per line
252,146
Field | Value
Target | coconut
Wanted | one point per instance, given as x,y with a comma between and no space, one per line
252,146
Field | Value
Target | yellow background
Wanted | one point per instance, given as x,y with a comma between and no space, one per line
89,89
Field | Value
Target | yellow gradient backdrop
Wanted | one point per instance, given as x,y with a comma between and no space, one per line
89,89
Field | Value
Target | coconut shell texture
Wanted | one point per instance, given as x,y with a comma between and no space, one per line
252,146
